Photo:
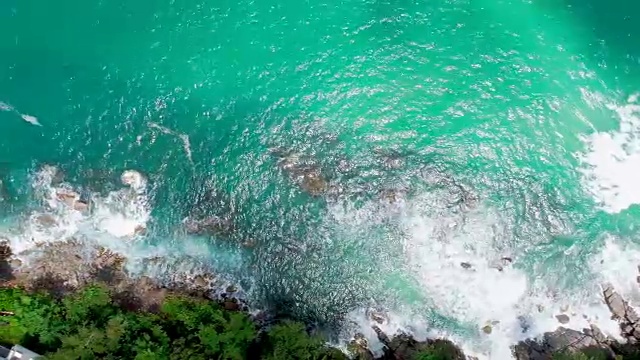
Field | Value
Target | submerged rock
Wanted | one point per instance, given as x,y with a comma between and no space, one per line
302,171
314,184
212,225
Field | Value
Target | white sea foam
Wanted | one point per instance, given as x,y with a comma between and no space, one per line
515,304
119,215
612,162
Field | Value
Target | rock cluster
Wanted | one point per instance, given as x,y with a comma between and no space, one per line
564,340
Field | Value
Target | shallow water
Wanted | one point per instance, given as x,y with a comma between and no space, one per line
507,129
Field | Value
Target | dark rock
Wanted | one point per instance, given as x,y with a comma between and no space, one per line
487,329
384,339
466,265
563,318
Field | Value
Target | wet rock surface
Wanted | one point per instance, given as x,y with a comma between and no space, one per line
562,340
66,266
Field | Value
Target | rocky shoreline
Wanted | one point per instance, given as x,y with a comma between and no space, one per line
81,267
62,267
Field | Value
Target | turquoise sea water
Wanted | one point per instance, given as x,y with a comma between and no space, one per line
501,97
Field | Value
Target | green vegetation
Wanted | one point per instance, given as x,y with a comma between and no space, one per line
88,325
440,350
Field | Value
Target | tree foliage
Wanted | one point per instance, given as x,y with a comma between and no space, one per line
89,325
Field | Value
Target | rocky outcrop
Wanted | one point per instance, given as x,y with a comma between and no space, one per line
623,313
563,340
359,348
591,340
406,347
62,267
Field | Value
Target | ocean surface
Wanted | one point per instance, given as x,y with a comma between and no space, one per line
479,161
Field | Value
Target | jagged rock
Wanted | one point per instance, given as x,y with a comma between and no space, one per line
359,348
384,339
560,340
563,318
623,313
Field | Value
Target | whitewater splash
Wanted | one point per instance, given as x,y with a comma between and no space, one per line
68,213
118,221
612,172
469,275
